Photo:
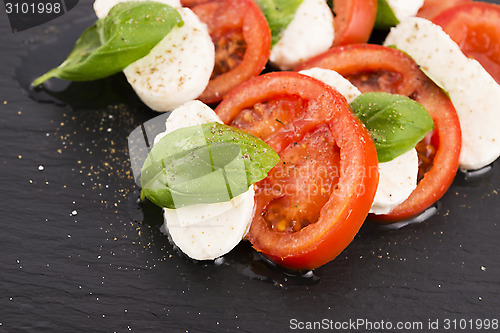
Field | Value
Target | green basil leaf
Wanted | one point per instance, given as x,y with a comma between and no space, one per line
385,16
396,123
126,34
204,164
279,14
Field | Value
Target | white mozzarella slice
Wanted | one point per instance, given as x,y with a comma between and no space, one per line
188,114
474,93
177,69
404,9
310,33
206,231
334,79
102,7
397,180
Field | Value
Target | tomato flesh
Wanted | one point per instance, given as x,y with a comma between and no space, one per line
229,52
379,68
242,40
266,118
314,201
475,27
302,182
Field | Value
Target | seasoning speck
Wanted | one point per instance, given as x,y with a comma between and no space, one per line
41,167
74,212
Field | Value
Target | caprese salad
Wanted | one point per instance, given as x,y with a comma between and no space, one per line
295,160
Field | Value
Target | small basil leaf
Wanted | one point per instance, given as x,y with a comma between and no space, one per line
126,34
396,123
385,16
279,14
204,164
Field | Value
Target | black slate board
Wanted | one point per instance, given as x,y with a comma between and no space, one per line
77,254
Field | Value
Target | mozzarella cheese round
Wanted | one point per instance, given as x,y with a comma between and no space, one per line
310,33
474,93
206,231
102,7
404,9
397,178
177,69
335,80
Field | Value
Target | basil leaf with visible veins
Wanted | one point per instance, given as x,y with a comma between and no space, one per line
279,14
395,122
204,164
126,34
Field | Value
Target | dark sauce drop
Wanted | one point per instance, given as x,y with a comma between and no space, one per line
242,258
476,178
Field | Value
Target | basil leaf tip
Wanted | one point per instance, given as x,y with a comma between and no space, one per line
128,33
395,122
209,163
279,14
386,17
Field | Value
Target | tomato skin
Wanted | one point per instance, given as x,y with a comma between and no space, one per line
347,206
354,21
432,8
475,27
227,18
379,68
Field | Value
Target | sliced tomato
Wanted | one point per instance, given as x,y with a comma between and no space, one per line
314,201
192,3
475,27
354,20
379,68
242,42
432,8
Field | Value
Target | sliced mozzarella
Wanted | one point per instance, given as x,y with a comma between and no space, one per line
404,9
177,69
188,114
334,79
397,178
206,231
474,93
102,7
308,34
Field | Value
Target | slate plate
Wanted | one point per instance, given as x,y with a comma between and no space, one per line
77,253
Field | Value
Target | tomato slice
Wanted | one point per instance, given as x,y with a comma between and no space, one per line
379,68
242,41
314,201
475,27
432,8
354,20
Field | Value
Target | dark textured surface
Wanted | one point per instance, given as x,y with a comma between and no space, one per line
76,256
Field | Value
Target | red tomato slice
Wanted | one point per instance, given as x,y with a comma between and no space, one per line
432,8
475,27
354,20
314,201
242,41
379,68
